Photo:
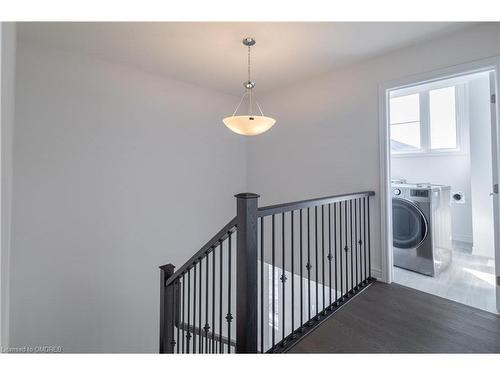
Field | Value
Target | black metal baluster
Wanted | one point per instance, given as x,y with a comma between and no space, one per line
364,242
188,335
346,249
330,252
316,257
262,284
292,255
352,248
229,317
212,344
362,238
206,327
369,242
177,318
308,266
194,308
340,253
220,299
335,248
200,337
174,307
361,242
273,246
183,316
323,254
283,276
301,274
358,244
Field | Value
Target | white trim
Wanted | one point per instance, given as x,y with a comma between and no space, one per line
478,66
386,274
376,273
462,238
454,81
425,122
427,154
7,82
494,78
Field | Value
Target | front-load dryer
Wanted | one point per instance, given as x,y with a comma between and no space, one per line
421,227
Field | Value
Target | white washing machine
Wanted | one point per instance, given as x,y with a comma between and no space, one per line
421,227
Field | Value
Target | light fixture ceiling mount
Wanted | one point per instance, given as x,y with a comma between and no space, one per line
249,124
249,42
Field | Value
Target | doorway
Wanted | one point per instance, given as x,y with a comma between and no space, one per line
441,197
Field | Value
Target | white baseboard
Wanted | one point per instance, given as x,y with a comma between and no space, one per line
376,273
462,238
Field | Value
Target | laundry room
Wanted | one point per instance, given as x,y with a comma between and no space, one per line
442,186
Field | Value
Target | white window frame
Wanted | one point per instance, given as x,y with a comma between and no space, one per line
425,139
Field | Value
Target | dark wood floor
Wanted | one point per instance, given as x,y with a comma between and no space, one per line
396,319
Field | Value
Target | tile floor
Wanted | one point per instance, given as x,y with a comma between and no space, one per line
470,279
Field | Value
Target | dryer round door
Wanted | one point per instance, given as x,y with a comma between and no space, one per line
409,224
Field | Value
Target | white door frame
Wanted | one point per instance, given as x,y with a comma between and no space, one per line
7,83
477,66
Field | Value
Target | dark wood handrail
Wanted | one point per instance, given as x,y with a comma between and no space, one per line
200,332
285,207
207,248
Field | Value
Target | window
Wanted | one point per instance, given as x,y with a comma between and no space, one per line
443,121
405,123
424,122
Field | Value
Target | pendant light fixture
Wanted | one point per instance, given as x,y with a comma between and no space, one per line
249,124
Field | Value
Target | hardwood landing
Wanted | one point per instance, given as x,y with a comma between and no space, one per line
396,319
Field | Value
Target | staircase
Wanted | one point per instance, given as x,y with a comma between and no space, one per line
269,277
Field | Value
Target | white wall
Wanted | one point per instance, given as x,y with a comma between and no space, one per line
115,173
7,83
326,138
111,163
481,167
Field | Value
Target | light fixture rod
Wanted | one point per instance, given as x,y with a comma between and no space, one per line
249,80
260,109
249,42
241,101
250,102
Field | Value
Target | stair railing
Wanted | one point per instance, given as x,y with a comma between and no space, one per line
292,265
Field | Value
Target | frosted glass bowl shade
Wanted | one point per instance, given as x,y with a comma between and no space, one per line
249,125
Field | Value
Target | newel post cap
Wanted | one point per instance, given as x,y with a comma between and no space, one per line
168,268
247,196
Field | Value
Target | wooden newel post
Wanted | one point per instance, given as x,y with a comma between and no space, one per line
167,310
246,282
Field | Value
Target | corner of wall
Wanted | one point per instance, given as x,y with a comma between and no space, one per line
7,90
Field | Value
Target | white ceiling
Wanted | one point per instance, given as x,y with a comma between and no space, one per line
211,54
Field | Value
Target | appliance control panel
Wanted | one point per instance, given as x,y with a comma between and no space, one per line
419,193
